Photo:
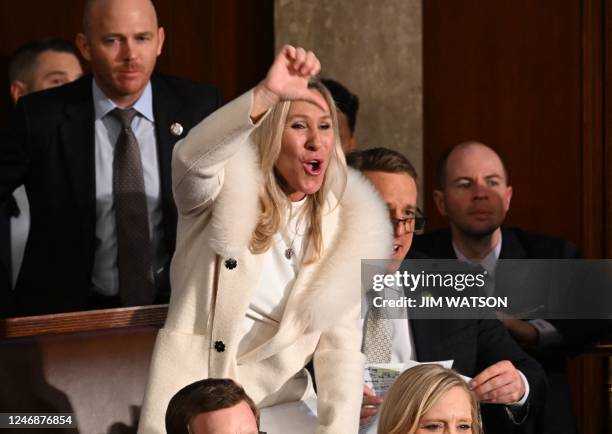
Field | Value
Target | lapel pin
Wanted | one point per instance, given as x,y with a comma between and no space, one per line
176,129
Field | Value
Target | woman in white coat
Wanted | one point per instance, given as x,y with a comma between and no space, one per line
266,275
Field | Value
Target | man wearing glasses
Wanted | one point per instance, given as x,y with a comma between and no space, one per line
479,348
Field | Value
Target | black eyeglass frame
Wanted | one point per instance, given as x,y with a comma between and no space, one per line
419,221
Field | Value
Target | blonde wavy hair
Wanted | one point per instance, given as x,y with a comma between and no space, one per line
415,392
274,203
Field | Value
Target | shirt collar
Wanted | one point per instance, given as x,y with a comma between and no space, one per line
488,262
103,104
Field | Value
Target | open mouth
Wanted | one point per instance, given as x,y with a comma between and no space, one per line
313,167
396,248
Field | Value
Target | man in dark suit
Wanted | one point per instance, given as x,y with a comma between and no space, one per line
473,192
505,379
94,156
38,65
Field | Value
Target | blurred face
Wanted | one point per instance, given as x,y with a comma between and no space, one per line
238,419
451,414
307,141
399,191
122,44
476,196
54,68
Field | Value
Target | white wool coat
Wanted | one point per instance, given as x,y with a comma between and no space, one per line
216,182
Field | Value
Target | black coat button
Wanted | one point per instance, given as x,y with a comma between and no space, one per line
231,263
219,346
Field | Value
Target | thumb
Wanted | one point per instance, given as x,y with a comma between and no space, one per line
367,391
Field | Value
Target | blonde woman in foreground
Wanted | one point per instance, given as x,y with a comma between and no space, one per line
271,230
429,399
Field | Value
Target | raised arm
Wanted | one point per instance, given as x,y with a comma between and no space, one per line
198,160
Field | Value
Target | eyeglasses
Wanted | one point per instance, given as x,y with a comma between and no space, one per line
414,223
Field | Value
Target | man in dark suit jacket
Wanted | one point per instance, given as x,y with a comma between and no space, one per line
474,194
57,150
479,347
38,65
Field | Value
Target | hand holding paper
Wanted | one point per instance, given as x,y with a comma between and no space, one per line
500,383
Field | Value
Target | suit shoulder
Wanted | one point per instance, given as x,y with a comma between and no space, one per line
416,254
184,87
430,243
48,99
542,246
433,235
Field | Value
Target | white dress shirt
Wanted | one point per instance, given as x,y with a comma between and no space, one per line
20,228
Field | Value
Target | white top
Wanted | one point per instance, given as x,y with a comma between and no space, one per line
269,298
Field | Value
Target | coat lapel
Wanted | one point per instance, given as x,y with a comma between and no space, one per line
511,246
77,143
426,335
167,111
444,245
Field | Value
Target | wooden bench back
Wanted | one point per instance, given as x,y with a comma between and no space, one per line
92,364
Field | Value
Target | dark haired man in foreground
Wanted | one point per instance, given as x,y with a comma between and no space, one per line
212,406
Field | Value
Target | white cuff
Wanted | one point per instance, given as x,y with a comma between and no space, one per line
523,400
549,335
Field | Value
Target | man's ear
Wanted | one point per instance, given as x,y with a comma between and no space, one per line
161,36
508,197
18,89
438,197
82,44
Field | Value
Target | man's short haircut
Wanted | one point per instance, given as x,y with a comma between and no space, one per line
23,61
381,160
443,160
346,102
201,397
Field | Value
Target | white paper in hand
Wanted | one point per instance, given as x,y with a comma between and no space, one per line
380,376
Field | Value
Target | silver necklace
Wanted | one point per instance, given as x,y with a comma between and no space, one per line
289,252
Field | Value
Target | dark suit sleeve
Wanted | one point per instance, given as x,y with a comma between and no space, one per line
578,334
220,100
495,344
